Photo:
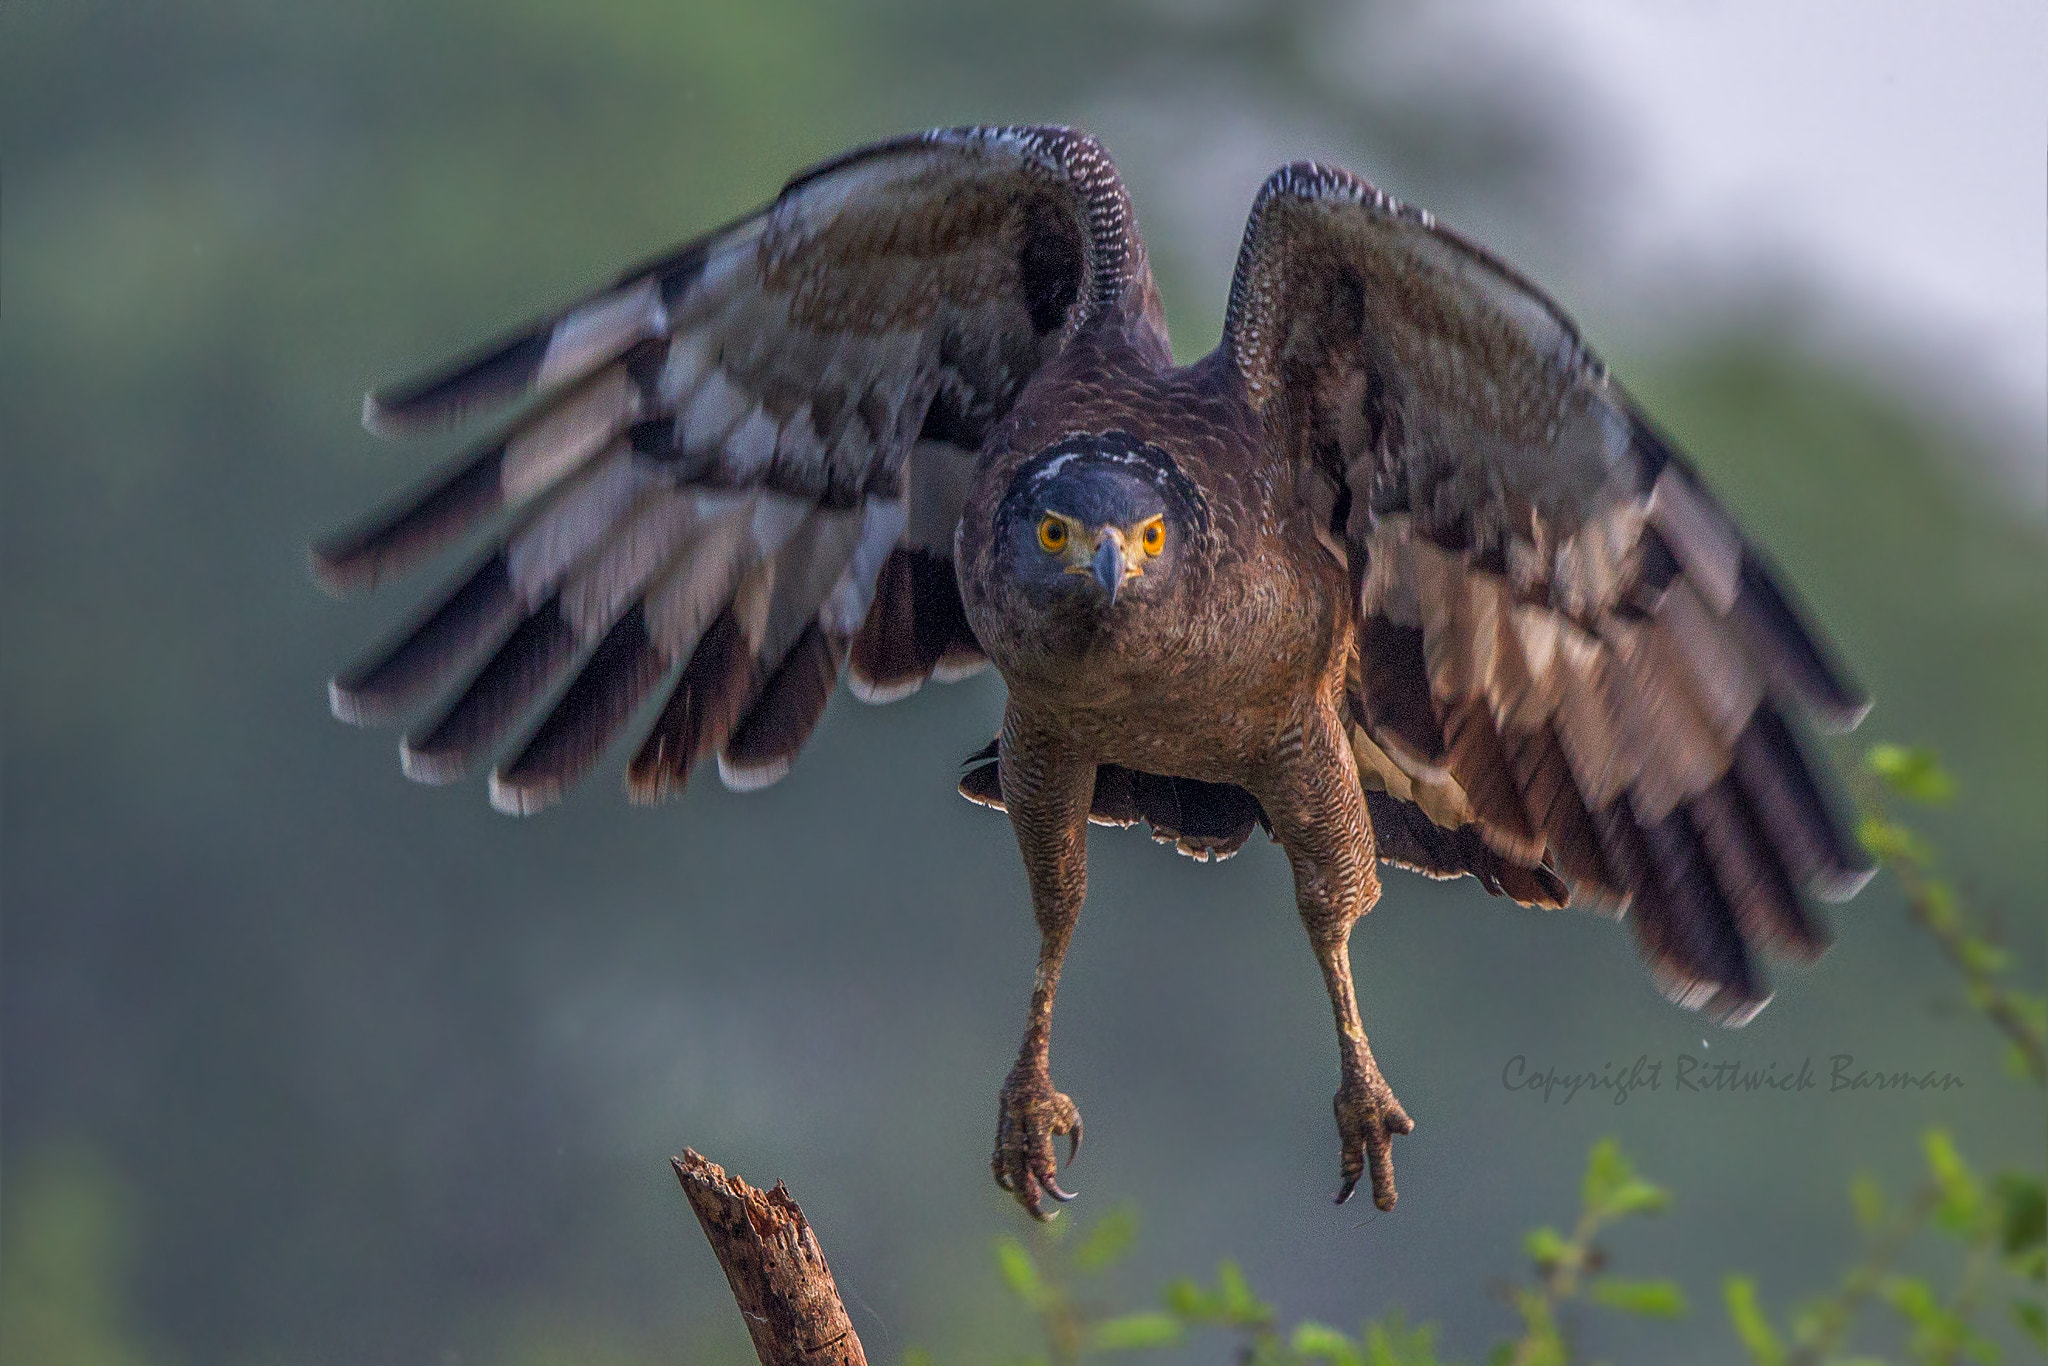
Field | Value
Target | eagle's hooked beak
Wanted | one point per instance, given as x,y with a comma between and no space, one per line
1109,565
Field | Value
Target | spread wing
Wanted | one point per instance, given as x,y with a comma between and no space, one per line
741,469
1564,641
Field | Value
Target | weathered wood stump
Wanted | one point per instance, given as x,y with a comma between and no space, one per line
776,1269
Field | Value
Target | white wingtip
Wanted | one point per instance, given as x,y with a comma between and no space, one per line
1841,720
878,694
515,800
752,778
347,708
1843,885
435,770
1742,1015
376,421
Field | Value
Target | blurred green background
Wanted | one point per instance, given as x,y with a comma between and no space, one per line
305,1063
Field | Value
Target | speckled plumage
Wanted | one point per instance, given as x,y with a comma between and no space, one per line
1397,559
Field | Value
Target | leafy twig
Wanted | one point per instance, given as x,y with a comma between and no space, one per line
1915,775
1567,1266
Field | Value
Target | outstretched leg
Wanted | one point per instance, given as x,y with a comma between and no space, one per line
1319,817
1047,790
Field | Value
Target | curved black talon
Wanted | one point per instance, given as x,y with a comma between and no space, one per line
1074,1141
1350,1185
1052,1188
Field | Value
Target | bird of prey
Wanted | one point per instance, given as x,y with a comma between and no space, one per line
1397,572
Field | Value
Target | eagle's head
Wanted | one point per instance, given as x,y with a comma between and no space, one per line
1098,524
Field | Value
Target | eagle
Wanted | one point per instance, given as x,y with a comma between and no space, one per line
1398,572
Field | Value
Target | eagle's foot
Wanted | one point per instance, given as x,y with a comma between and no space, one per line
1368,1117
1029,1115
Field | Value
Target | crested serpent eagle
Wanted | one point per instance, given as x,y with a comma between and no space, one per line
1397,572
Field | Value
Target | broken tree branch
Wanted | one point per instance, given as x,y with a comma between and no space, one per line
772,1261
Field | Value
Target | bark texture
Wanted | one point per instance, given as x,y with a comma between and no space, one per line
777,1271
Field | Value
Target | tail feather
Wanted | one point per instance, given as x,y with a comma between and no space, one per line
1115,801
1201,820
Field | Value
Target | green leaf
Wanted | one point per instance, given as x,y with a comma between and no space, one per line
1752,1325
1191,1302
1540,1344
1651,1299
1240,1305
1944,1163
1391,1342
1606,1172
1912,1297
1546,1247
1892,842
1962,1201
1108,1239
2022,1212
1020,1273
1939,1333
1135,1332
1317,1342
1912,772
1638,1197
1983,957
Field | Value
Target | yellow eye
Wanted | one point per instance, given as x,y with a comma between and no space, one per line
1052,533
1153,536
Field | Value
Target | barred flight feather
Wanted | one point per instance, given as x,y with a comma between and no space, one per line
1551,604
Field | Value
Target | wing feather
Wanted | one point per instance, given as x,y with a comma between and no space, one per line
1563,638
741,466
